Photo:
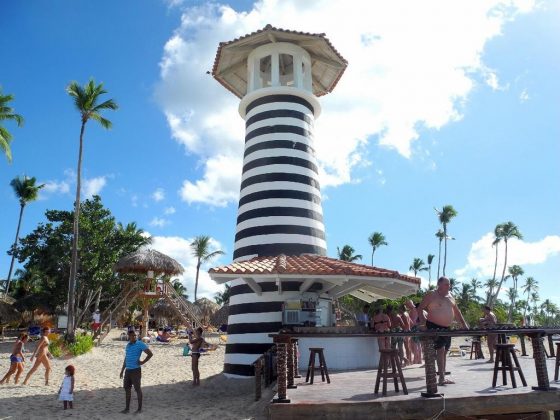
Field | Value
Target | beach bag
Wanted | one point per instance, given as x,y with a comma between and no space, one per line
186,350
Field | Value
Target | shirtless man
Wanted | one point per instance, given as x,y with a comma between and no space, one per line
415,345
442,310
41,355
489,321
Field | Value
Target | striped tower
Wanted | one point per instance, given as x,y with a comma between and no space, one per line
280,201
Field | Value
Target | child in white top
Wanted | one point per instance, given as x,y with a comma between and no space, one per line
66,391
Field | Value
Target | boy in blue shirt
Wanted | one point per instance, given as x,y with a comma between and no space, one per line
132,364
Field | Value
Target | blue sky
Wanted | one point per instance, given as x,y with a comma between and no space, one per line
442,103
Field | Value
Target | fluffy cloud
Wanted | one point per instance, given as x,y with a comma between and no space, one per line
482,255
159,222
93,186
169,210
411,67
179,248
56,187
158,195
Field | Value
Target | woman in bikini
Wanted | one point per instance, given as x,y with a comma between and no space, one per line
197,343
16,360
382,323
41,356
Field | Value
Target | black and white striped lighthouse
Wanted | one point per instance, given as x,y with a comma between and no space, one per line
278,74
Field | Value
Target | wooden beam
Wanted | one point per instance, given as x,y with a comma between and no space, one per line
255,287
306,285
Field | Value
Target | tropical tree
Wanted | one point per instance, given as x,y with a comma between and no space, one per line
445,215
417,265
440,234
376,239
26,191
347,254
514,271
495,243
430,259
200,248
531,285
222,298
6,114
475,285
180,288
87,103
511,294
535,298
550,309
453,286
507,231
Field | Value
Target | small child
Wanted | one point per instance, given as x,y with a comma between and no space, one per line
197,344
66,391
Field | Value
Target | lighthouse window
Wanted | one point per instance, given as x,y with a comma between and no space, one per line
286,63
265,70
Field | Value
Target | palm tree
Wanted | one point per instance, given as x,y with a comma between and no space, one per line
453,286
549,308
535,298
26,191
508,230
490,285
530,286
512,294
514,271
376,240
445,215
7,113
200,248
496,242
86,100
180,288
347,254
430,260
440,234
418,264
475,285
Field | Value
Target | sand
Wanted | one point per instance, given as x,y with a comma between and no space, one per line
166,384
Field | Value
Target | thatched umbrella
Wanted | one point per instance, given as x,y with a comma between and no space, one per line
152,263
8,314
207,308
145,260
220,317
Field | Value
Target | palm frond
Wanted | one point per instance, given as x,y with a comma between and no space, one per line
105,123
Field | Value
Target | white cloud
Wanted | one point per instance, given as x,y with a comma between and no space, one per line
524,96
179,248
411,66
134,200
159,222
482,255
158,195
169,210
56,187
93,186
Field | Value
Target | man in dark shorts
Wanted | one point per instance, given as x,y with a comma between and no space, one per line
131,369
442,310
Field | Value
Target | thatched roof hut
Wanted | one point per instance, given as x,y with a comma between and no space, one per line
145,260
206,309
8,314
220,317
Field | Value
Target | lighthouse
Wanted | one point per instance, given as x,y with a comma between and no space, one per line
278,75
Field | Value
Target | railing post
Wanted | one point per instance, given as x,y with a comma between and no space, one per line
551,345
523,348
290,365
258,375
296,358
281,341
430,368
540,363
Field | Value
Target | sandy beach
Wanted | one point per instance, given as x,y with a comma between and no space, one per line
166,383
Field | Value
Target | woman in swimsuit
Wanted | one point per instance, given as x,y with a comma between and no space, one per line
382,323
196,343
16,360
42,357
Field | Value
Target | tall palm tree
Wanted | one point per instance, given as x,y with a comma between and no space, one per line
508,230
7,113
490,285
430,259
535,298
512,294
440,234
87,102
531,285
549,308
495,243
475,285
417,265
514,271
347,254
453,286
445,215
26,191
376,240
200,248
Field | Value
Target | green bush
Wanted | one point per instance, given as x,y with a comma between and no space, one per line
55,347
82,345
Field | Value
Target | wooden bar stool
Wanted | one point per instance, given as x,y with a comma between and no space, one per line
476,349
390,368
505,354
322,365
557,367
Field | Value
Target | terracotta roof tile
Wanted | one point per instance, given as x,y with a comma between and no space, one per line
307,264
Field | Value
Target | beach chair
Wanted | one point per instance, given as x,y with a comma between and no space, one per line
34,333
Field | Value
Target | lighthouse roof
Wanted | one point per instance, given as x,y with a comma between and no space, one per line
230,64
340,278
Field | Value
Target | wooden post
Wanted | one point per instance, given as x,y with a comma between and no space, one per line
430,368
282,341
258,376
551,345
296,358
540,363
523,349
290,365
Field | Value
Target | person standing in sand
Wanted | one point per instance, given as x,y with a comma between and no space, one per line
133,374
415,346
16,360
442,310
489,321
41,355
197,343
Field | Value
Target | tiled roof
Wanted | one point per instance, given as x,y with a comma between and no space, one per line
307,264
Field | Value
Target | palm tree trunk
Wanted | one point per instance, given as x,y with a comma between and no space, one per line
22,206
495,297
196,280
76,230
429,276
445,248
372,252
439,258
